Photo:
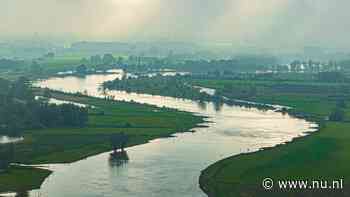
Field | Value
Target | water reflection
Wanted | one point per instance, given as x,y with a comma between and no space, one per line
202,105
22,194
118,159
7,139
171,166
218,105
17,194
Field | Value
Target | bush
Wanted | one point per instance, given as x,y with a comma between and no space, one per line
337,115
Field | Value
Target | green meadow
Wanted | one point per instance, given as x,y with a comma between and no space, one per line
321,155
63,145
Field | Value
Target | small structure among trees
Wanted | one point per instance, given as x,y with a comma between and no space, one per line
119,142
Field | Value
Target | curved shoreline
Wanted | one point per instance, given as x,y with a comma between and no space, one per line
43,171
248,105
207,175
204,180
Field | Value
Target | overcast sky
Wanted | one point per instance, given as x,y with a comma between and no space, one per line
260,22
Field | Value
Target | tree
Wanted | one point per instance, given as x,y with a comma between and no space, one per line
36,68
119,142
10,64
84,61
82,69
21,90
108,59
49,55
341,103
294,66
120,61
331,76
95,59
20,111
337,115
6,155
47,93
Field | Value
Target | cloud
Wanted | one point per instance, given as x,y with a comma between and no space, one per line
261,22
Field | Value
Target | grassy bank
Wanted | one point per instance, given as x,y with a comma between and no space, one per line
61,145
22,179
320,156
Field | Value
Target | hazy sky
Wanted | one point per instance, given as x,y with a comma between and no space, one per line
260,22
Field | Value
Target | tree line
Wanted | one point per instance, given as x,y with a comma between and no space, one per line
10,64
106,59
19,110
176,86
6,156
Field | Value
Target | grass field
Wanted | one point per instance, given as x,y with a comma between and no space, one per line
48,67
62,63
61,145
69,61
310,97
321,156
21,179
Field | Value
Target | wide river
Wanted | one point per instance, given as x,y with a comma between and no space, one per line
168,167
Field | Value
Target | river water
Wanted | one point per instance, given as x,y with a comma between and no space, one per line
7,139
168,167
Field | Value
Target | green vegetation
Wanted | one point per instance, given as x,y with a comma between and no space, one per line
19,110
36,68
22,179
314,98
60,145
159,85
244,63
50,64
140,122
322,155
60,63
55,142
82,65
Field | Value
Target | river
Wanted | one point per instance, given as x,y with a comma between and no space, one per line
7,139
168,167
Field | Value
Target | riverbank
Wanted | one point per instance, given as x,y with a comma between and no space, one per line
179,87
171,86
322,155
65,145
20,179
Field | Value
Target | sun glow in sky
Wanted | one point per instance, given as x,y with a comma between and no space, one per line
279,22
126,18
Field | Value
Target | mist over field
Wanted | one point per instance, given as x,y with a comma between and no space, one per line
131,93
278,23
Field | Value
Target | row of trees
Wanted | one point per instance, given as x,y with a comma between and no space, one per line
6,156
309,66
19,110
159,85
237,64
338,113
106,59
10,64
172,86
